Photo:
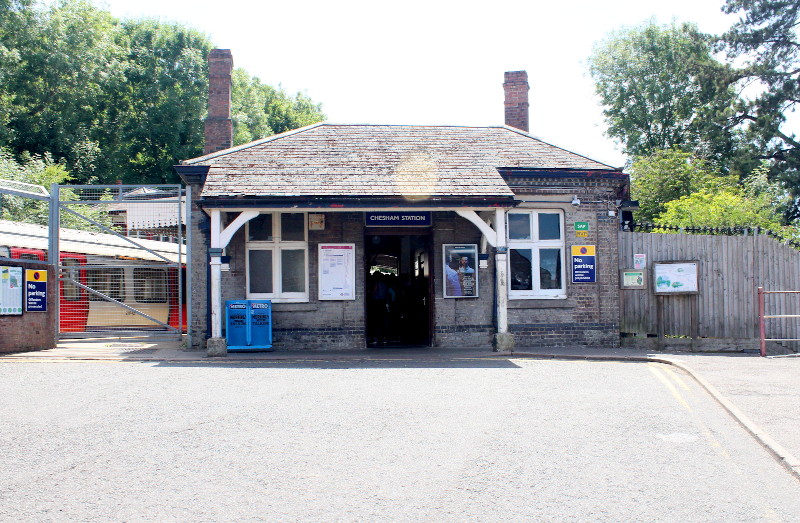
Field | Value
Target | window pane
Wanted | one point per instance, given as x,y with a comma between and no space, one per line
150,285
549,226
550,268
70,291
260,228
106,281
260,267
521,269
293,227
519,226
293,271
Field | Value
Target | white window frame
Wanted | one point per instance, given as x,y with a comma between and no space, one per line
276,246
534,244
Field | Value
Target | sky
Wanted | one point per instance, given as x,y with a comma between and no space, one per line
435,62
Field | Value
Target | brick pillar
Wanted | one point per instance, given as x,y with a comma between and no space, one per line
219,127
516,88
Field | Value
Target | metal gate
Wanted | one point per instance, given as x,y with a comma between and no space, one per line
122,259
120,251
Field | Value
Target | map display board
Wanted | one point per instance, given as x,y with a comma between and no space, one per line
678,277
10,290
337,271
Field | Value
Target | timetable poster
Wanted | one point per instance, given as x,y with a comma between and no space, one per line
337,271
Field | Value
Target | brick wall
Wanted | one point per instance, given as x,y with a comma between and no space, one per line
218,125
32,330
516,99
588,316
198,300
316,324
460,322
590,313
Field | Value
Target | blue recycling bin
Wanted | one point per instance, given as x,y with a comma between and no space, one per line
248,325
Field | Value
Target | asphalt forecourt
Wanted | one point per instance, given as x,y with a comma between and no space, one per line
383,439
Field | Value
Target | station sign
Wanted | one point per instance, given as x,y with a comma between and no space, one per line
398,219
35,290
584,264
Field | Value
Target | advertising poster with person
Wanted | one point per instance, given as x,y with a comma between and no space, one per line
460,274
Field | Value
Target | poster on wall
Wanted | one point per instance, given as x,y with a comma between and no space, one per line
678,277
337,271
460,275
10,290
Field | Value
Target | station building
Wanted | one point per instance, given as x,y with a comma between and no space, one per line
404,235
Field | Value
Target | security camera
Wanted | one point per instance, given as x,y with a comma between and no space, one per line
576,201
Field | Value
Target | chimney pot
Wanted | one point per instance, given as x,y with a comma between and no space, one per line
218,125
516,99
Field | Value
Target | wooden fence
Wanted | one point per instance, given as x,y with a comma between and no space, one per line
724,315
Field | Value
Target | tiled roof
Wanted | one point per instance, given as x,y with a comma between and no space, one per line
382,161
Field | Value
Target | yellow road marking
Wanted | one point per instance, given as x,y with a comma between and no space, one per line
676,378
657,369
670,387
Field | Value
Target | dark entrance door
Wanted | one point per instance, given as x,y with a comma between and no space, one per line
398,283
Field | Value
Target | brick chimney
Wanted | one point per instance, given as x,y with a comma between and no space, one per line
219,127
516,88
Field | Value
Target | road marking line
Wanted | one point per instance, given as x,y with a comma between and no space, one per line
676,378
670,387
657,369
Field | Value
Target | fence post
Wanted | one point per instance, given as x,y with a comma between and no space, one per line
761,326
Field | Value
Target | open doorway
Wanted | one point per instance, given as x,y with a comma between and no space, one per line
398,283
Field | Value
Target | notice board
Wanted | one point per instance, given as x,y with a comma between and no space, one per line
675,277
337,271
10,290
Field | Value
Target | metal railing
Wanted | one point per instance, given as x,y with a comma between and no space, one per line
762,316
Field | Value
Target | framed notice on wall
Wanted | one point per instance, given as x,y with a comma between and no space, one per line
676,277
10,290
337,271
632,279
460,273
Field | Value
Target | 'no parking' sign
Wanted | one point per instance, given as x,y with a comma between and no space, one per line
35,290
584,264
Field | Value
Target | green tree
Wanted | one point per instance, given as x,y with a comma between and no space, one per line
72,66
727,207
653,82
259,110
160,108
43,171
16,22
670,174
118,100
765,41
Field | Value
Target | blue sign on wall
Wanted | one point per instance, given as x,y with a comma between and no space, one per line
398,219
584,264
35,290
